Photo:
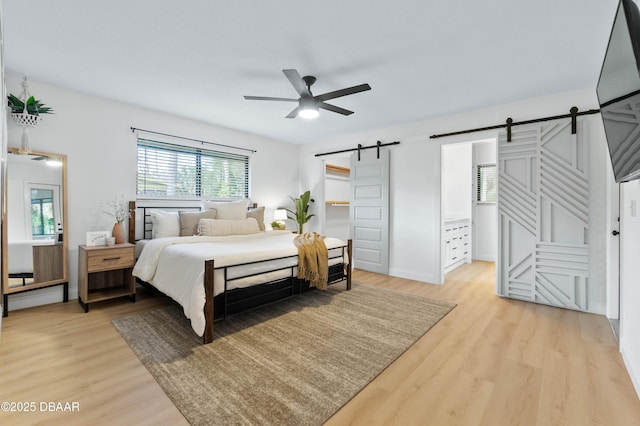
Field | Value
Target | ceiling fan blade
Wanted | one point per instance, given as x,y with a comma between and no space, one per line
267,98
297,82
294,113
334,108
343,92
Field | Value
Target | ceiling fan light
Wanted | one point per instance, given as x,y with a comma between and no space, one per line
308,108
309,113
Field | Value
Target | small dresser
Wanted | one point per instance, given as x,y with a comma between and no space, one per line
105,272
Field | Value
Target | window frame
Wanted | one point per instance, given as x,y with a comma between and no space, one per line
200,155
481,183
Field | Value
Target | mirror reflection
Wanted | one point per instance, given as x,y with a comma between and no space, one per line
35,252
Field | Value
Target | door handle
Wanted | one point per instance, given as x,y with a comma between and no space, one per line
615,233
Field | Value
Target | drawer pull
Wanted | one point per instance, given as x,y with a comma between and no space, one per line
111,258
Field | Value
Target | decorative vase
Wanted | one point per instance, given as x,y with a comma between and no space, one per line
118,233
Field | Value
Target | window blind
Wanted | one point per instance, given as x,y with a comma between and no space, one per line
174,171
486,183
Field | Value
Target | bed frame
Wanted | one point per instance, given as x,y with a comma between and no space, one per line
231,302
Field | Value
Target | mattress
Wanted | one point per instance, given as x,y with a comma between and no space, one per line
175,265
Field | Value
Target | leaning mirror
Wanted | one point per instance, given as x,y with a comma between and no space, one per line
34,243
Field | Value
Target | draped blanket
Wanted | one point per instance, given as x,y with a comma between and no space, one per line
313,259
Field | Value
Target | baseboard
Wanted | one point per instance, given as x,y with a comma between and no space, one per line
633,370
485,257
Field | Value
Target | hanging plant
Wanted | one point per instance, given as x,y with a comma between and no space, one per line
25,112
34,106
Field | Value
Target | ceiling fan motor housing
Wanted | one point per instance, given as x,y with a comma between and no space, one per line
309,80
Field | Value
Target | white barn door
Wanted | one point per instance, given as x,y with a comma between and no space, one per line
369,210
543,197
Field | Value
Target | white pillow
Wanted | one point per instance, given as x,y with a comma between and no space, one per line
165,224
228,209
217,227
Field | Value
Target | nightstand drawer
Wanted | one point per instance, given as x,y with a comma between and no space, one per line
114,258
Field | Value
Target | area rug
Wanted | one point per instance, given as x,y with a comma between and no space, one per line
294,362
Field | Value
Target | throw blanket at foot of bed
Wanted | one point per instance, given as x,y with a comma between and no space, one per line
313,259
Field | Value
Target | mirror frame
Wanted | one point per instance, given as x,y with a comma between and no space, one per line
4,236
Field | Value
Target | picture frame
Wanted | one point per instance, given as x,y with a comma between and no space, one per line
97,238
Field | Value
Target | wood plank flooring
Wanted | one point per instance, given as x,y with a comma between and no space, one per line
491,361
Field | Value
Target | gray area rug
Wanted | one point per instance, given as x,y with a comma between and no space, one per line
294,362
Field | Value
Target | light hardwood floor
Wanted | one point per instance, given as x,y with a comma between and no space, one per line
491,361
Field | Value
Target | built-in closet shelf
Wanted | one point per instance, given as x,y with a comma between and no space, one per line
338,169
336,203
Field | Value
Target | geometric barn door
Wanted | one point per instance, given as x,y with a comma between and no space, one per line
543,195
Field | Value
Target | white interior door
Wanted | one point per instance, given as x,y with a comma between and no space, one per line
369,210
543,210
613,261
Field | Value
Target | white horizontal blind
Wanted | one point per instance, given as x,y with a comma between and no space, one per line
486,183
174,171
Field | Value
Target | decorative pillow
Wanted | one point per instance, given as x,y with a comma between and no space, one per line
189,221
258,215
165,224
218,227
228,209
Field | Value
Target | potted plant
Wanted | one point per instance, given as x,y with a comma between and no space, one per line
277,224
25,111
301,214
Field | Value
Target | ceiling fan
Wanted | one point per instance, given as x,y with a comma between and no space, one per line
308,104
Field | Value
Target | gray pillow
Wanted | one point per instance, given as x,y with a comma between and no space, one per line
189,221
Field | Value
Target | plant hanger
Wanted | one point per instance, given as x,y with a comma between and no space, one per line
25,111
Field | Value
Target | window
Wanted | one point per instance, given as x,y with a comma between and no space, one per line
174,171
42,220
486,183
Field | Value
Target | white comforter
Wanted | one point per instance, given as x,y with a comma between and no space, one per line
175,265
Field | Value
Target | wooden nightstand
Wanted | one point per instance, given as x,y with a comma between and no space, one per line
104,272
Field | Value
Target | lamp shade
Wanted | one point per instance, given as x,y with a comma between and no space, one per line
280,214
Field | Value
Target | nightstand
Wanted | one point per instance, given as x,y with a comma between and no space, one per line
104,272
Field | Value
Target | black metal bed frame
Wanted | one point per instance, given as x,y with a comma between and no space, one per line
236,300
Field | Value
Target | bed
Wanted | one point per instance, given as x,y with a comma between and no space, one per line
215,276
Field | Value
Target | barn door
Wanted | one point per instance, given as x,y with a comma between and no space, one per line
543,215
369,210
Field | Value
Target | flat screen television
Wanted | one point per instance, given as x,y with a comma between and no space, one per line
619,92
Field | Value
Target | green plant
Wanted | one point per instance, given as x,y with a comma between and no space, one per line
276,224
301,214
34,106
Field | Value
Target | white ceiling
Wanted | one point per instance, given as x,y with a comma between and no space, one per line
422,58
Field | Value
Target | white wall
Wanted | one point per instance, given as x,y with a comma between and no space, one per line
456,181
415,173
485,226
101,151
630,279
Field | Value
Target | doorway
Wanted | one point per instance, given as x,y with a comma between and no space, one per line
468,203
